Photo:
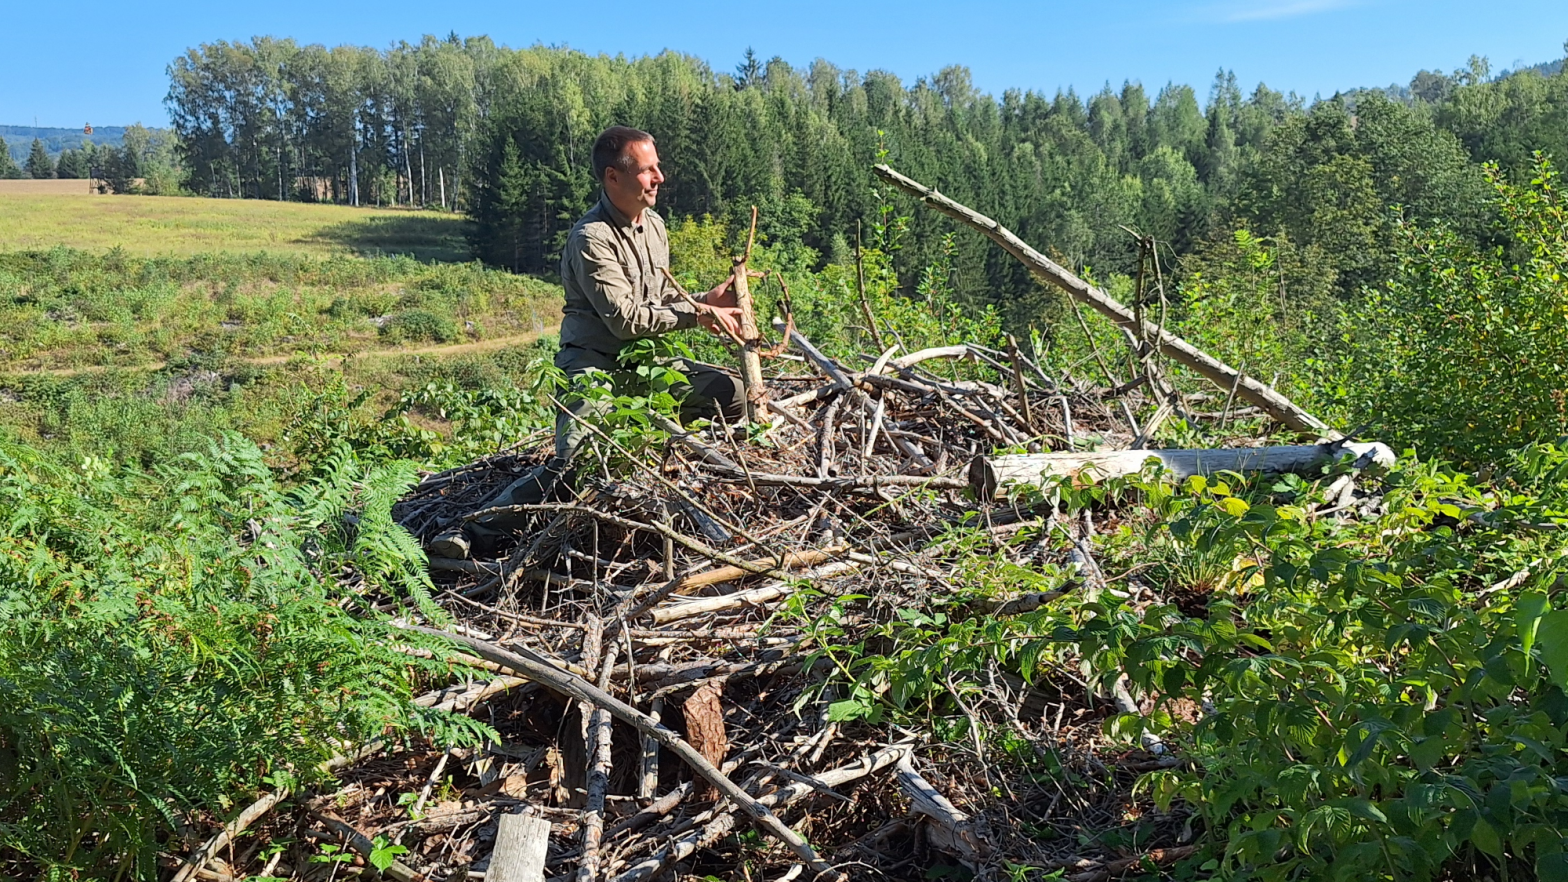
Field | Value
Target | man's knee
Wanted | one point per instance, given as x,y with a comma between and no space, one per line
718,391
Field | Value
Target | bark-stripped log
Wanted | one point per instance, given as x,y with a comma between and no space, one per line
948,829
521,845
992,476
751,351
1247,388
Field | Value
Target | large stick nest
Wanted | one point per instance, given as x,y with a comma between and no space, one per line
730,582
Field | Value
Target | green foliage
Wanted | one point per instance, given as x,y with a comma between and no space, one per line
39,165
176,636
1329,177
383,853
477,421
8,166
1262,305
76,164
1375,714
1463,353
1371,707
70,308
1505,121
418,325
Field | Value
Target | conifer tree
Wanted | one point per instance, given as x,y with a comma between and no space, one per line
39,165
74,164
8,166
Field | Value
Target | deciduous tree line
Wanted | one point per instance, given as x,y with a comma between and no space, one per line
271,119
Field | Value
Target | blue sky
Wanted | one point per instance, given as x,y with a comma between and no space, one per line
103,62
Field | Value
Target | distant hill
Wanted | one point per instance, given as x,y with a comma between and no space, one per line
19,139
1545,69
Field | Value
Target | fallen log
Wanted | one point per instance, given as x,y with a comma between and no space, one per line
1247,388
991,476
791,560
754,597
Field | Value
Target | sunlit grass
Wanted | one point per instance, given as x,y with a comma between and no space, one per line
161,225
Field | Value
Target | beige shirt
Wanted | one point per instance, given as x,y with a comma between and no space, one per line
615,290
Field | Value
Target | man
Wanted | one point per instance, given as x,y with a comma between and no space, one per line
616,291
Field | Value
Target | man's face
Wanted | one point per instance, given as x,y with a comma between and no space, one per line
634,190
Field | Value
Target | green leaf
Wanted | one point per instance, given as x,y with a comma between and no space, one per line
1552,867
1552,636
1534,746
1484,837
1254,640
383,854
1427,752
1234,506
848,709
1531,607
1366,809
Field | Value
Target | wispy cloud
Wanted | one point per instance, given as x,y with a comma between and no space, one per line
1269,10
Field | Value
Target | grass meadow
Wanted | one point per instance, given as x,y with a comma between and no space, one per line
39,215
137,328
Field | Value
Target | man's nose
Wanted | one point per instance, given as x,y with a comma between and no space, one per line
658,176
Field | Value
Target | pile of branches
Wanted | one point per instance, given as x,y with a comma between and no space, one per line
679,652
651,650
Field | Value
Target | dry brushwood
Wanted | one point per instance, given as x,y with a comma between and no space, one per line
671,619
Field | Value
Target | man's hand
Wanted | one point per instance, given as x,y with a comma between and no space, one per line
723,320
722,295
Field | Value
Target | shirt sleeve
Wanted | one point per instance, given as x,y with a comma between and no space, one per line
625,311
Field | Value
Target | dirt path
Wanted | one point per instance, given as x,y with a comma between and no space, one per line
433,350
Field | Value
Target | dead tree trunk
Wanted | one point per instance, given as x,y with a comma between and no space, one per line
992,475
1247,388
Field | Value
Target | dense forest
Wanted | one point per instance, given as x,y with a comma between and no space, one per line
504,135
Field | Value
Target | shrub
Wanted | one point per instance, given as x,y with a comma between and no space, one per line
1464,353
411,325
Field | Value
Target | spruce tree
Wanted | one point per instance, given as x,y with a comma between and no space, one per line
73,164
39,165
8,166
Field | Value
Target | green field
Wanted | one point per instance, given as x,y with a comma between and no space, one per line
136,328
70,309
157,225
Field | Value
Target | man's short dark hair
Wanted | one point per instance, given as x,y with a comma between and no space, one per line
610,148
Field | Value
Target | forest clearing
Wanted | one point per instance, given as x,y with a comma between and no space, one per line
1129,488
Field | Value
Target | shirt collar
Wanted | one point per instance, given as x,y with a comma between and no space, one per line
615,215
